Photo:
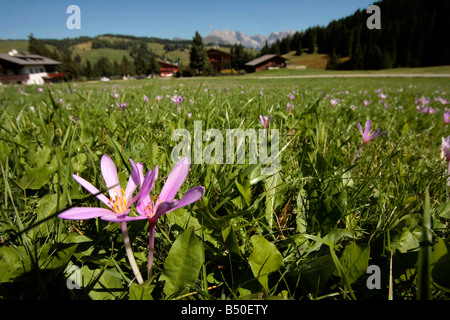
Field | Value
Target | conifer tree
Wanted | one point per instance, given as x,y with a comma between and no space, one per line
198,59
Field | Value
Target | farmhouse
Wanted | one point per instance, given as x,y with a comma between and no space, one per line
27,68
167,69
219,60
265,62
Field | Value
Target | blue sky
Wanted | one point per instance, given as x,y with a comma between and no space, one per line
168,19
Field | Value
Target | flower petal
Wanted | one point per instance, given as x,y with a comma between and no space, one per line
122,218
109,173
84,213
133,181
147,186
175,180
367,128
89,187
189,197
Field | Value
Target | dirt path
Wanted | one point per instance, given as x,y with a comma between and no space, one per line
360,75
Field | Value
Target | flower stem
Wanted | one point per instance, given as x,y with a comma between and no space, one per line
126,240
151,247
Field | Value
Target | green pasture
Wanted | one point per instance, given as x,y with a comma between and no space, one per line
308,231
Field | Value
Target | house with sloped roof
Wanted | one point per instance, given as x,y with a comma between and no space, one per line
219,60
27,68
265,62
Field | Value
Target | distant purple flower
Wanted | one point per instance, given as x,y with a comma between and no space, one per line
366,135
41,90
335,102
290,107
445,147
446,117
366,102
159,98
382,96
423,101
189,115
122,106
291,96
145,99
177,99
265,120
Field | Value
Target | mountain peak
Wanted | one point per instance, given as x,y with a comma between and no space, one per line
257,41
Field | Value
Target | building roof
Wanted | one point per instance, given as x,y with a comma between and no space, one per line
262,59
28,59
212,50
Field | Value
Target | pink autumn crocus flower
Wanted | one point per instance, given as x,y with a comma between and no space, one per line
367,136
152,208
265,120
446,117
120,200
119,203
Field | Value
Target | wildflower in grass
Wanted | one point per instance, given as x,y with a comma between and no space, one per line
189,115
423,101
366,102
367,136
177,99
335,102
145,99
445,147
290,107
382,96
159,98
446,117
265,120
119,202
41,90
152,208
291,96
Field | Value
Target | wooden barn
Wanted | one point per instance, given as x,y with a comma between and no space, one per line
167,69
219,60
268,61
27,68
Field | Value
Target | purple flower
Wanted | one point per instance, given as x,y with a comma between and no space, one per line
265,120
145,99
335,102
119,201
159,98
177,99
366,102
152,208
290,107
446,117
423,101
445,147
366,135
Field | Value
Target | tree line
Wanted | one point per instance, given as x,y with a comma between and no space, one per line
414,33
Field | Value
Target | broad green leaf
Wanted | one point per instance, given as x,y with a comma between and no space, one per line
183,263
230,241
244,188
354,261
141,292
264,259
101,284
46,208
301,210
274,186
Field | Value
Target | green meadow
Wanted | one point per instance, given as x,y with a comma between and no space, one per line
338,220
